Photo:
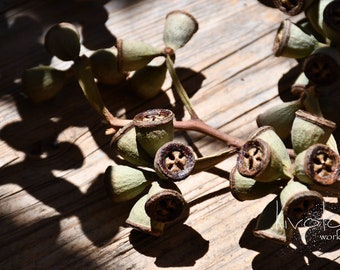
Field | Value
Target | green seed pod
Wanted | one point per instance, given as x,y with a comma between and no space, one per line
300,84
299,204
135,54
165,202
153,129
245,188
124,183
331,143
322,67
309,129
291,41
63,41
139,220
147,82
42,83
331,26
319,168
314,13
125,143
292,7
105,67
271,224
280,117
174,161
179,27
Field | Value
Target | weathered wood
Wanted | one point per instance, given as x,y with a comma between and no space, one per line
54,210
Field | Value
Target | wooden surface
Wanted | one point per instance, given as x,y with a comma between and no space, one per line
54,211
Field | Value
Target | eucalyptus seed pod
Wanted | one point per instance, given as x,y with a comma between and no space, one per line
124,183
291,41
292,7
42,83
319,168
179,27
139,220
280,117
174,161
271,224
245,188
309,129
300,84
147,82
331,26
331,143
104,65
63,41
153,129
125,143
300,204
322,67
165,202
135,54
314,13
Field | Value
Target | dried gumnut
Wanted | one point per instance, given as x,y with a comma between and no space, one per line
139,220
322,67
124,183
153,129
125,143
147,82
42,83
179,27
291,41
299,204
165,202
63,41
309,129
280,117
174,161
319,168
135,54
292,7
246,188
105,68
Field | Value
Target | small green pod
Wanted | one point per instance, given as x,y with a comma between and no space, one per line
124,183
179,27
63,41
309,129
139,220
154,128
314,13
125,143
291,41
104,65
135,54
245,188
147,82
165,201
280,117
42,83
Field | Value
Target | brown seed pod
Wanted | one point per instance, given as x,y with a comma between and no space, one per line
292,7
174,161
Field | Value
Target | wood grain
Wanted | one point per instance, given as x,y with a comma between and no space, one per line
54,210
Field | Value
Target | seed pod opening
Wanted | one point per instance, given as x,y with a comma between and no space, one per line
42,83
319,168
124,183
300,204
291,41
139,220
154,128
174,161
104,65
165,202
309,129
63,41
179,27
135,54
125,143
322,67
